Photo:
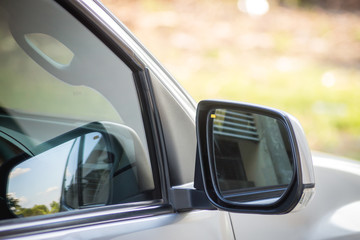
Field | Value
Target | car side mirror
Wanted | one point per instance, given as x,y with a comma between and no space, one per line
253,159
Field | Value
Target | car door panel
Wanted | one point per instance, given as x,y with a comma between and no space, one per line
192,225
331,215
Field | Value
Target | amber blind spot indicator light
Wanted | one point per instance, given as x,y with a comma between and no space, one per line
213,116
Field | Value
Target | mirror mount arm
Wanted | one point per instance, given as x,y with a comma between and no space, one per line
187,199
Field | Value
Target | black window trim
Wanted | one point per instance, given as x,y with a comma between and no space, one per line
83,218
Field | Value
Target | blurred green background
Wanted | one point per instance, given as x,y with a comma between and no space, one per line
299,56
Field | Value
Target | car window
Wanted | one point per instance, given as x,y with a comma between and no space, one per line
69,109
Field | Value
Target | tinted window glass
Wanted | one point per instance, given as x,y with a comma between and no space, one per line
56,76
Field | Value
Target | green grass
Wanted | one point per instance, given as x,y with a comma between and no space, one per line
329,115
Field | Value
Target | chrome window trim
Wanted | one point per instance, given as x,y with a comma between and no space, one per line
82,218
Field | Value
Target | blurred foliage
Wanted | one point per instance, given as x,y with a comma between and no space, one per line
302,57
36,210
333,5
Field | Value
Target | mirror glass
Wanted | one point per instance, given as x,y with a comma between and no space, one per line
72,175
253,157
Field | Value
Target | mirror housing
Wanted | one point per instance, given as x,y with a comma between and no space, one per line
269,170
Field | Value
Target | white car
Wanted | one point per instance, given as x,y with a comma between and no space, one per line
98,141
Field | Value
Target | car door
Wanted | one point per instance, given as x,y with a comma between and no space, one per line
85,155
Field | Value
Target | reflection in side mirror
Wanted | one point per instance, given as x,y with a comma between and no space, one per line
252,154
87,173
253,159
72,174
101,163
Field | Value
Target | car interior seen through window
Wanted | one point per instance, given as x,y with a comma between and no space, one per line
71,128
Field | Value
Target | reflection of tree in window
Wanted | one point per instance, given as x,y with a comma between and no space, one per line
37,209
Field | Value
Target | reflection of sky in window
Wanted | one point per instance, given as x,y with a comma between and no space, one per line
38,180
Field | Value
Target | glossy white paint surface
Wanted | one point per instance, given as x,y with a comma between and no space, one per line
305,153
307,169
192,225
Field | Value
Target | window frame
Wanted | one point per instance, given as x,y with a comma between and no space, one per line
154,136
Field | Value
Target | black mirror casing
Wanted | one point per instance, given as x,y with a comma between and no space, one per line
298,191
